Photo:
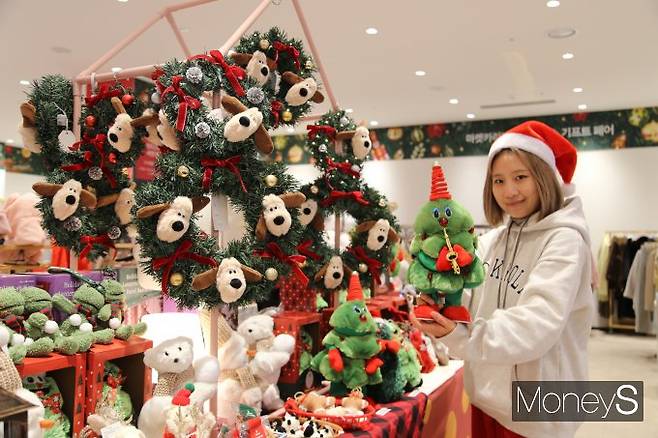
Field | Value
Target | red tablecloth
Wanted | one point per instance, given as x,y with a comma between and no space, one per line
448,410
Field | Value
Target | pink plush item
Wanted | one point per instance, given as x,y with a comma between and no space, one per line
25,227
5,228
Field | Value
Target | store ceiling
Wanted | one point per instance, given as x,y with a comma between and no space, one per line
482,52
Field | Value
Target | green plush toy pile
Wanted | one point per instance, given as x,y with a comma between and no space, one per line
443,248
349,359
48,392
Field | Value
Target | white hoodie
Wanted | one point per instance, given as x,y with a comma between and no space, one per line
537,326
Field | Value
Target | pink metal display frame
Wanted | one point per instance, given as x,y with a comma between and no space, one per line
89,77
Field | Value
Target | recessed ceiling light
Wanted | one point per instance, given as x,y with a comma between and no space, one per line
561,32
420,73
372,31
122,1
582,106
567,55
578,90
453,101
24,82
116,69
349,110
470,116
10,141
374,123
553,3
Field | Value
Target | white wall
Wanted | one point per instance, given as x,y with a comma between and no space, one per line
19,182
619,187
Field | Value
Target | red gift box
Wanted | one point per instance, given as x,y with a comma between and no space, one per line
295,297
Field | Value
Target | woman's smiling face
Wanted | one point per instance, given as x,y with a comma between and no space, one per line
514,186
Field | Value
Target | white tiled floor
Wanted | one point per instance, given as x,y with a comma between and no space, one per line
624,357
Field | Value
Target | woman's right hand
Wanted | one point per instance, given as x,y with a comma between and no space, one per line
438,328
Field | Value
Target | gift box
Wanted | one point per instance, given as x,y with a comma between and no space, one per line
128,279
127,355
292,323
295,297
69,373
17,280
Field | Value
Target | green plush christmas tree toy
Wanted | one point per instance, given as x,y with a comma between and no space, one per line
112,392
349,359
47,390
444,253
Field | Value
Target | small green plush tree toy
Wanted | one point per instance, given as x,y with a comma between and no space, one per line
45,387
349,359
443,248
114,395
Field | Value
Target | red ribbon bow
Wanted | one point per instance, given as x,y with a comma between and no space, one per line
304,248
335,195
183,253
155,76
14,322
314,130
273,250
232,72
230,163
103,93
115,381
90,241
52,402
184,101
374,266
275,108
290,50
346,168
97,142
464,258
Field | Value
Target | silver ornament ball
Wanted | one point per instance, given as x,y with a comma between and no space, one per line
271,274
323,148
255,95
72,224
344,121
114,233
155,98
194,75
95,173
202,129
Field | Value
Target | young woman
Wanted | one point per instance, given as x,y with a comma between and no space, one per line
532,315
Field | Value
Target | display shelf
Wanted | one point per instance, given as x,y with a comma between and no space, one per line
127,355
69,373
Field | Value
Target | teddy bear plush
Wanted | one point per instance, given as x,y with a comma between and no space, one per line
12,307
22,227
269,354
173,360
39,322
237,383
112,312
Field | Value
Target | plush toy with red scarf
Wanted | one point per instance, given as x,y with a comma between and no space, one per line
443,248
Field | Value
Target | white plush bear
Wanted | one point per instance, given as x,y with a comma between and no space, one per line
175,220
167,133
173,360
332,273
308,211
237,383
270,354
257,68
361,143
123,206
277,217
243,125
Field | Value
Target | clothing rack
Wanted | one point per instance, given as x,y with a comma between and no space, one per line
613,322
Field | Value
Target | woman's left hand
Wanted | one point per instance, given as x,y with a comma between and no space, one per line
440,327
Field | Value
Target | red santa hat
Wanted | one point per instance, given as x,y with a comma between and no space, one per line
439,188
354,291
545,142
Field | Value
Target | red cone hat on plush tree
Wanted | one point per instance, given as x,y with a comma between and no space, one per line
439,188
354,291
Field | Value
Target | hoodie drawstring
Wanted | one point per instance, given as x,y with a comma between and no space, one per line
507,265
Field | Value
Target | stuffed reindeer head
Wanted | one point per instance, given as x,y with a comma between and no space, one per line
167,133
231,278
66,197
379,232
174,217
309,214
120,134
302,90
123,202
360,140
28,128
257,65
245,123
275,217
333,273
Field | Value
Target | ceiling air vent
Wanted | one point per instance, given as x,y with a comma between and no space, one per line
515,104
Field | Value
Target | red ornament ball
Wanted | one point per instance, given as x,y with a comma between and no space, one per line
127,99
90,121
